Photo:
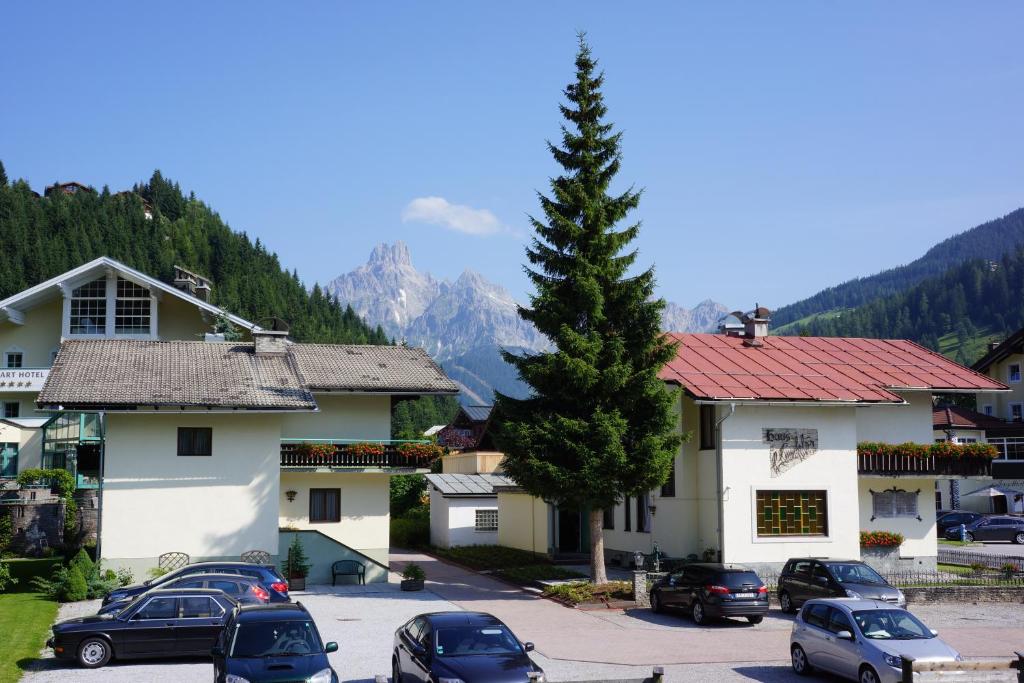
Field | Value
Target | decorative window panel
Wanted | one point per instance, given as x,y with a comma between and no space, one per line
486,520
792,513
893,503
89,308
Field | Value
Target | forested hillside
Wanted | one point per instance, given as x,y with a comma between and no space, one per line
954,313
988,241
45,236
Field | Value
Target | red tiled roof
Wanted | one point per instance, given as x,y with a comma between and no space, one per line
719,367
955,416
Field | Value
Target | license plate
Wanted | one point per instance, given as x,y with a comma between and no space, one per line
744,595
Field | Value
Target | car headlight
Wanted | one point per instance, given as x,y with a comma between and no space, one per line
894,661
852,594
232,678
322,676
901,598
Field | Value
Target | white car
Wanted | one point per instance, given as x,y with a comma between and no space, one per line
861,640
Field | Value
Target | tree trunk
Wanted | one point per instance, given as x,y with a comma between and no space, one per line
597,572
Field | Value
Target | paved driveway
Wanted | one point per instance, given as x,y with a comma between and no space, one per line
571,645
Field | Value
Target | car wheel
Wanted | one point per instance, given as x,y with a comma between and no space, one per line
94,653
786,602
868,675
698,615
656,605
755,620
798,658
1019,538
969,537
396,672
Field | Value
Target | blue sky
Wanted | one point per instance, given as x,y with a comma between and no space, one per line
783,147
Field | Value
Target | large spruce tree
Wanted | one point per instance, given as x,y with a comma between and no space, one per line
598,425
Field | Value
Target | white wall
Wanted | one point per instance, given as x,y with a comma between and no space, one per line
898,423
209,507
919,536
365,508
462,521
30,444
342,417
438,519
746,469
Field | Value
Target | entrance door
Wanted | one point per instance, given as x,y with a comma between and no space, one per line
570,527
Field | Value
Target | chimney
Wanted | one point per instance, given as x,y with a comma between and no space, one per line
755,325
190,283
271,339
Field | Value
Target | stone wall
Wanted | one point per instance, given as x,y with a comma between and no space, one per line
37,520
888,561
965,594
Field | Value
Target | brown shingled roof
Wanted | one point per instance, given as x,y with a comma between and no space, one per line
119,373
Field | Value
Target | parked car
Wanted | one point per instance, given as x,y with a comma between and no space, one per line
861,640
162,623
246,590
278,642
991,528
471,647
954,519
711,591
804,579
267,575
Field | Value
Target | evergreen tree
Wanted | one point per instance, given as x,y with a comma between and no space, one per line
3,174
598,424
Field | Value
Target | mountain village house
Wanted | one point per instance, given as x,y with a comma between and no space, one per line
198,445
772,468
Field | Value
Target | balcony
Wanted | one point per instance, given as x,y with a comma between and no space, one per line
928,465
349,454
22,379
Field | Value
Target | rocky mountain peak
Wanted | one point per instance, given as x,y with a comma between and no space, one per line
385,254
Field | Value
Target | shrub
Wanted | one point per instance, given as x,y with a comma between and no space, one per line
538,572
61,481
410,531
1009,568
296,564
5,577
76,587
125,577
157,572
83,562
413,572
575,592
880,539
6,531
978,567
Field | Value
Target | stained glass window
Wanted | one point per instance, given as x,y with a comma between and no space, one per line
792,513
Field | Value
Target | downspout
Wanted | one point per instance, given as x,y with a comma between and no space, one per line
99,490
721,490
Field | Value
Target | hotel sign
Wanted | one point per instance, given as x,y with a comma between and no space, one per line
22,379
789,446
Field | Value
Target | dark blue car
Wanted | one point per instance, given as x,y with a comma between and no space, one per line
266,574
276,642
469,646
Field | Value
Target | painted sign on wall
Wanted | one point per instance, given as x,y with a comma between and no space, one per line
23,379
789,446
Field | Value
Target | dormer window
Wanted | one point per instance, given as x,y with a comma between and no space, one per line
89,308
110,307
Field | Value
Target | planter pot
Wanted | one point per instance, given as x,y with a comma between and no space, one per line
412,584
298,584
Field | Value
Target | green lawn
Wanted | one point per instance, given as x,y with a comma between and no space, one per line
25,620
943,541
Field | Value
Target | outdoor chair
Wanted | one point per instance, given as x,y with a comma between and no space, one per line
256,557
172,561
348,568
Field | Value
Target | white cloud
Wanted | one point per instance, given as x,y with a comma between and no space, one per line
458,217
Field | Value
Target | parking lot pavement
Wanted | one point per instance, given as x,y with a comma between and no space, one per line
1007,548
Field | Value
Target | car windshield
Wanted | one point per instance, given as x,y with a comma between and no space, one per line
275,638
856,573
891,624
476,640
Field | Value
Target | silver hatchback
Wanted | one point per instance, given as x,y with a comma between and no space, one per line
861,640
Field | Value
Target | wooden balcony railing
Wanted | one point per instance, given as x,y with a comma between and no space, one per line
362,455
928,465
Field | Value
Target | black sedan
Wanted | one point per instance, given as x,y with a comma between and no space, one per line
710,590
267,575
471,647
279,642
246,590
954,518
991,528
163,623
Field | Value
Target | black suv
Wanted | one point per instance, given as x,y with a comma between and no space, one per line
804,579
266,574
712,590
276,642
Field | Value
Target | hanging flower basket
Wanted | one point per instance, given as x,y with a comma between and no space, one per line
880,539
366,449
420,453
316,450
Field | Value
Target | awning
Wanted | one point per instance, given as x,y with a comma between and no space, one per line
993,491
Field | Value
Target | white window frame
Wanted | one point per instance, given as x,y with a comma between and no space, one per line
887,504
485,513
11,351
111,308
776,486
1009,373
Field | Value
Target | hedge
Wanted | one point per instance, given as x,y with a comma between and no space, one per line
933,450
